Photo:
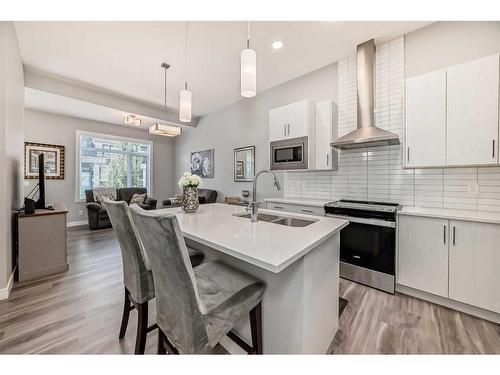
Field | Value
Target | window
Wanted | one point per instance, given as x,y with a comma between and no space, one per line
109,161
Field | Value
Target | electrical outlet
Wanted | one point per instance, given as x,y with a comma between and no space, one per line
80,212
473,188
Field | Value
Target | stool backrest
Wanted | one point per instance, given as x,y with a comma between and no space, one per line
178,308
136,275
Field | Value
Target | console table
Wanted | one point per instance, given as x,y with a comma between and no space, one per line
41,239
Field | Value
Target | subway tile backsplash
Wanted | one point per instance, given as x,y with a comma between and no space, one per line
378,173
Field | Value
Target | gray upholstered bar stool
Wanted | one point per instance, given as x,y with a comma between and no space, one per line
195,308
137,276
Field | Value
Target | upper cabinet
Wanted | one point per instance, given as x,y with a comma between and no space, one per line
452,116
326,127
289,121
472,112
426,120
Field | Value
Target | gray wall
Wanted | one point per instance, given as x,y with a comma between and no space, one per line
245,123
46,127
11,141
443,44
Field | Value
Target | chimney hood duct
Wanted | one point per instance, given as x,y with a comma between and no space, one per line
367,134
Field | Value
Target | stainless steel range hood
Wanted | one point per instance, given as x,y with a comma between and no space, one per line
367,134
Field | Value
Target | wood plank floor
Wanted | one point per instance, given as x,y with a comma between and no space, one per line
80,312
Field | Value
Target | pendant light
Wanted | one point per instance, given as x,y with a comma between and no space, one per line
165,129
185,96
248,61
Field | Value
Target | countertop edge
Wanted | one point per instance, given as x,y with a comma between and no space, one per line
474,216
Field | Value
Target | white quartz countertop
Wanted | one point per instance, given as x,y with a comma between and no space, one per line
267,245
446,213
298,201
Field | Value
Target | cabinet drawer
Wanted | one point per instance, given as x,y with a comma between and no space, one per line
302,209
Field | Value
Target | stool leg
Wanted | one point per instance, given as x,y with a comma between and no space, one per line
142,327
256,328
126,314
161,343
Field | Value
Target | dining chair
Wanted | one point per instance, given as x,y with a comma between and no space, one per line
196,307
137,275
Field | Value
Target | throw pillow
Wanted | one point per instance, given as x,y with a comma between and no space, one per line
138,198
100,192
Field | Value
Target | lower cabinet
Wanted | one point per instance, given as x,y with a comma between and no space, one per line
301,209
423,254
456,259
475,264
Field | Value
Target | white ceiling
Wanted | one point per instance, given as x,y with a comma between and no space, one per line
125,57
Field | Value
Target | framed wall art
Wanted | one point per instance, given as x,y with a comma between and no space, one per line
53,160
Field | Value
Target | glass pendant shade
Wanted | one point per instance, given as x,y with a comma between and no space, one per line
248,73
185,99
165,130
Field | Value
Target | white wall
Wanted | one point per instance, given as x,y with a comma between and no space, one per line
43,127
245,123
11,142
444,44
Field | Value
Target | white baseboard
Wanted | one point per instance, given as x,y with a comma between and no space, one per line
5,292
446,302
77,223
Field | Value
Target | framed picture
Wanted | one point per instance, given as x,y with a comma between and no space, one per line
202,163
53,160
244,164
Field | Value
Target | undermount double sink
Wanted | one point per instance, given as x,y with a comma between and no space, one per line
281,220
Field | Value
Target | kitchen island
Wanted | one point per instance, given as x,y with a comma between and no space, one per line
299,264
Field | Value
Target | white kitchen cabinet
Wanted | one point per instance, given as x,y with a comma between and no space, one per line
278,122
298,119
426,120
423,254
472,112
289,121
475,264
326,120
299,208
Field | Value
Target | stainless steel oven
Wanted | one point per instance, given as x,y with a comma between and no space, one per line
368,243
289,154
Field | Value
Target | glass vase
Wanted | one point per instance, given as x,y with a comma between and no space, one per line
190,202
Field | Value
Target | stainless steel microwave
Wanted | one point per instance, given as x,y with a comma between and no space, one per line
289,154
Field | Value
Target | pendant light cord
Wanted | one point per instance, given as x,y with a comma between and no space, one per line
248,34
186,54
165,95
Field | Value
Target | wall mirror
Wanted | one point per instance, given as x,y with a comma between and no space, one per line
244,164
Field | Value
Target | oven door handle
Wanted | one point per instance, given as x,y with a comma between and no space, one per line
361,220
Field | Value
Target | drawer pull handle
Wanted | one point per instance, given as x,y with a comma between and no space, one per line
278,207
454,235
493,149
307,211
444,233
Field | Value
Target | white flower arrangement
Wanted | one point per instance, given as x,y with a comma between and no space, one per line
189,180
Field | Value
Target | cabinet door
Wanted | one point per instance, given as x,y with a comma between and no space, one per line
298,119
475,264
423,254
323,135
278,124
426,120
472,112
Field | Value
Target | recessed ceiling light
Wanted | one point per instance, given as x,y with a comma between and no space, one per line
277,44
